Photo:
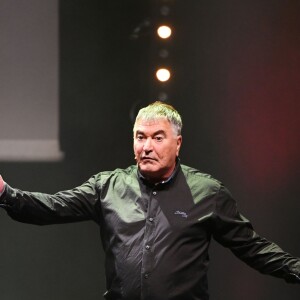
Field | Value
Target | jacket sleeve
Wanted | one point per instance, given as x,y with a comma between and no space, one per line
235,232
78,204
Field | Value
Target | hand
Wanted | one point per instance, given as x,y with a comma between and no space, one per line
292,278
1,185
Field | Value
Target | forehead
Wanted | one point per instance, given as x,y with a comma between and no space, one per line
152,125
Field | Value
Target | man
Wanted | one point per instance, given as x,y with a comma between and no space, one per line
156,218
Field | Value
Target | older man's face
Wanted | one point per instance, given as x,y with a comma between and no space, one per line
156,147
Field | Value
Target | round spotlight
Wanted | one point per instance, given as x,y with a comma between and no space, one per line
164,31
163,75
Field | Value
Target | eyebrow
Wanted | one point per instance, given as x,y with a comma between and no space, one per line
155,133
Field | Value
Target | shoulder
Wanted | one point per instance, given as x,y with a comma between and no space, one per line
201,181
193,174
205,185
119,174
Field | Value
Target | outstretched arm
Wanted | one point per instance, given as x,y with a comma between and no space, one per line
78,204
235,232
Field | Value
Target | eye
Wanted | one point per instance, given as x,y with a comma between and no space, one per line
158,138
139,137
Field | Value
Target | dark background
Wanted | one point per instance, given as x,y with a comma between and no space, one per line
236,83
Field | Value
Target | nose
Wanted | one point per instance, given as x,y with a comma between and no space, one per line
147,147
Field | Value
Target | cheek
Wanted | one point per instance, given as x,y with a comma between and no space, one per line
137,148
169,154
163,154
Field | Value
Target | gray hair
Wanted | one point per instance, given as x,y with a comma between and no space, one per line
158,110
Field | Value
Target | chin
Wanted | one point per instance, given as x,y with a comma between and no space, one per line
148,170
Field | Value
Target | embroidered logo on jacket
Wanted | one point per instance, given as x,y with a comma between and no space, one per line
181,213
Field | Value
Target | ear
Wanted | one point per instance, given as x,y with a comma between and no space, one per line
179,142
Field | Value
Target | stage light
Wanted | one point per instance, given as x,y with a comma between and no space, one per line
163,74
164,31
